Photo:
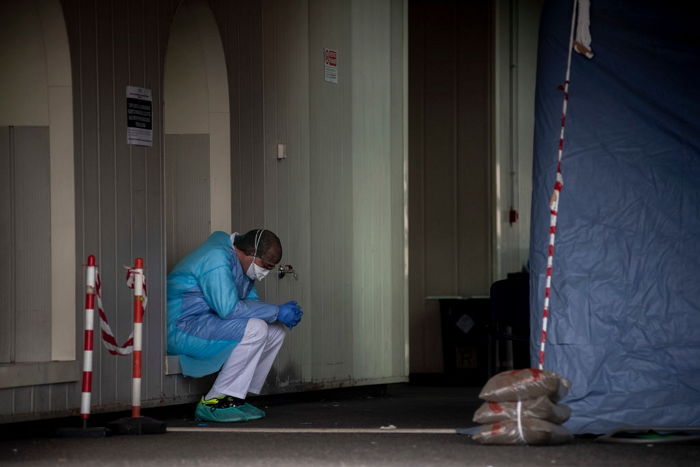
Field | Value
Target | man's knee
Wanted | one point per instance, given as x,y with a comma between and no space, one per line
276,332
256,330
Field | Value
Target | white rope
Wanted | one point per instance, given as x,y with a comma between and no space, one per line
226,429
582,44
520,422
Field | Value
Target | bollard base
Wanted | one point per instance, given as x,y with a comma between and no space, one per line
83,432
137,426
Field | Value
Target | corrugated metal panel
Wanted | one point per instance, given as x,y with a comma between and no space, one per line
331,193
120,188
6,402
7,247
371,227
32,402
32,243
241,27
26,315
399,181
58,400
40,399
22,400
286,191
187,182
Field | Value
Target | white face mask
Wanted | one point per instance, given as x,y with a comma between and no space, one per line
254,271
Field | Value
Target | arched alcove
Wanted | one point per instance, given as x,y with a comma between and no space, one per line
37,191
197,131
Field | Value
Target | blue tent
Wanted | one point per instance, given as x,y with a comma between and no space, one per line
625,307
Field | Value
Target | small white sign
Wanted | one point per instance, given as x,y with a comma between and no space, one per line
330,69
139,116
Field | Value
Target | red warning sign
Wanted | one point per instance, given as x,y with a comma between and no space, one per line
330,71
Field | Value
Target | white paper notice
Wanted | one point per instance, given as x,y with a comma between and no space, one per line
330,70
139,115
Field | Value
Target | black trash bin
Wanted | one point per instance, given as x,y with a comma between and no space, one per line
465,339
510,322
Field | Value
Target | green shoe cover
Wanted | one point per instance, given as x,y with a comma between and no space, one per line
250,411
209,413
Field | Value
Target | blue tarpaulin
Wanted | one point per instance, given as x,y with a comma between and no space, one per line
625,306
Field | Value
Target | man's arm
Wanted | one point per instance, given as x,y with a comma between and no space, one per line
220,293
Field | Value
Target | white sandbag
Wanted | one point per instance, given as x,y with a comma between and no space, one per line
541,407
528,383
526,431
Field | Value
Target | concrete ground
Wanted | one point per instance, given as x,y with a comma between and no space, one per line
386,425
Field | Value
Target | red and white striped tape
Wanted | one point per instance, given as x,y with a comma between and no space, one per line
583,7
108,339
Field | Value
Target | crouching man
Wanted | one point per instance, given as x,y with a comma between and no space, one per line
217,322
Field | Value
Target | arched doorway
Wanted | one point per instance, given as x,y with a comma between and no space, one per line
37,190
197,131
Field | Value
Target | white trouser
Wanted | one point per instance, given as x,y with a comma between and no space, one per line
250,361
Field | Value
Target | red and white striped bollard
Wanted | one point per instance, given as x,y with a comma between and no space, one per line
138,338
88,341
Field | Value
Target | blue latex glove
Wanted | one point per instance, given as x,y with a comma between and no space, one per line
290,314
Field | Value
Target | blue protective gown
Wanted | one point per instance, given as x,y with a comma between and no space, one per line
210,300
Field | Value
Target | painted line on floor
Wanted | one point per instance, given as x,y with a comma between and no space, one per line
224,429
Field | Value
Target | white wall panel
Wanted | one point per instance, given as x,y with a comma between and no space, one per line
286,190
60,95
517,24
62,182
400,189
186,91
372,265
340,187
331,192
23,84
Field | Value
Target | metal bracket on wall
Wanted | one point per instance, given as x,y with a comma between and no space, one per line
283,270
